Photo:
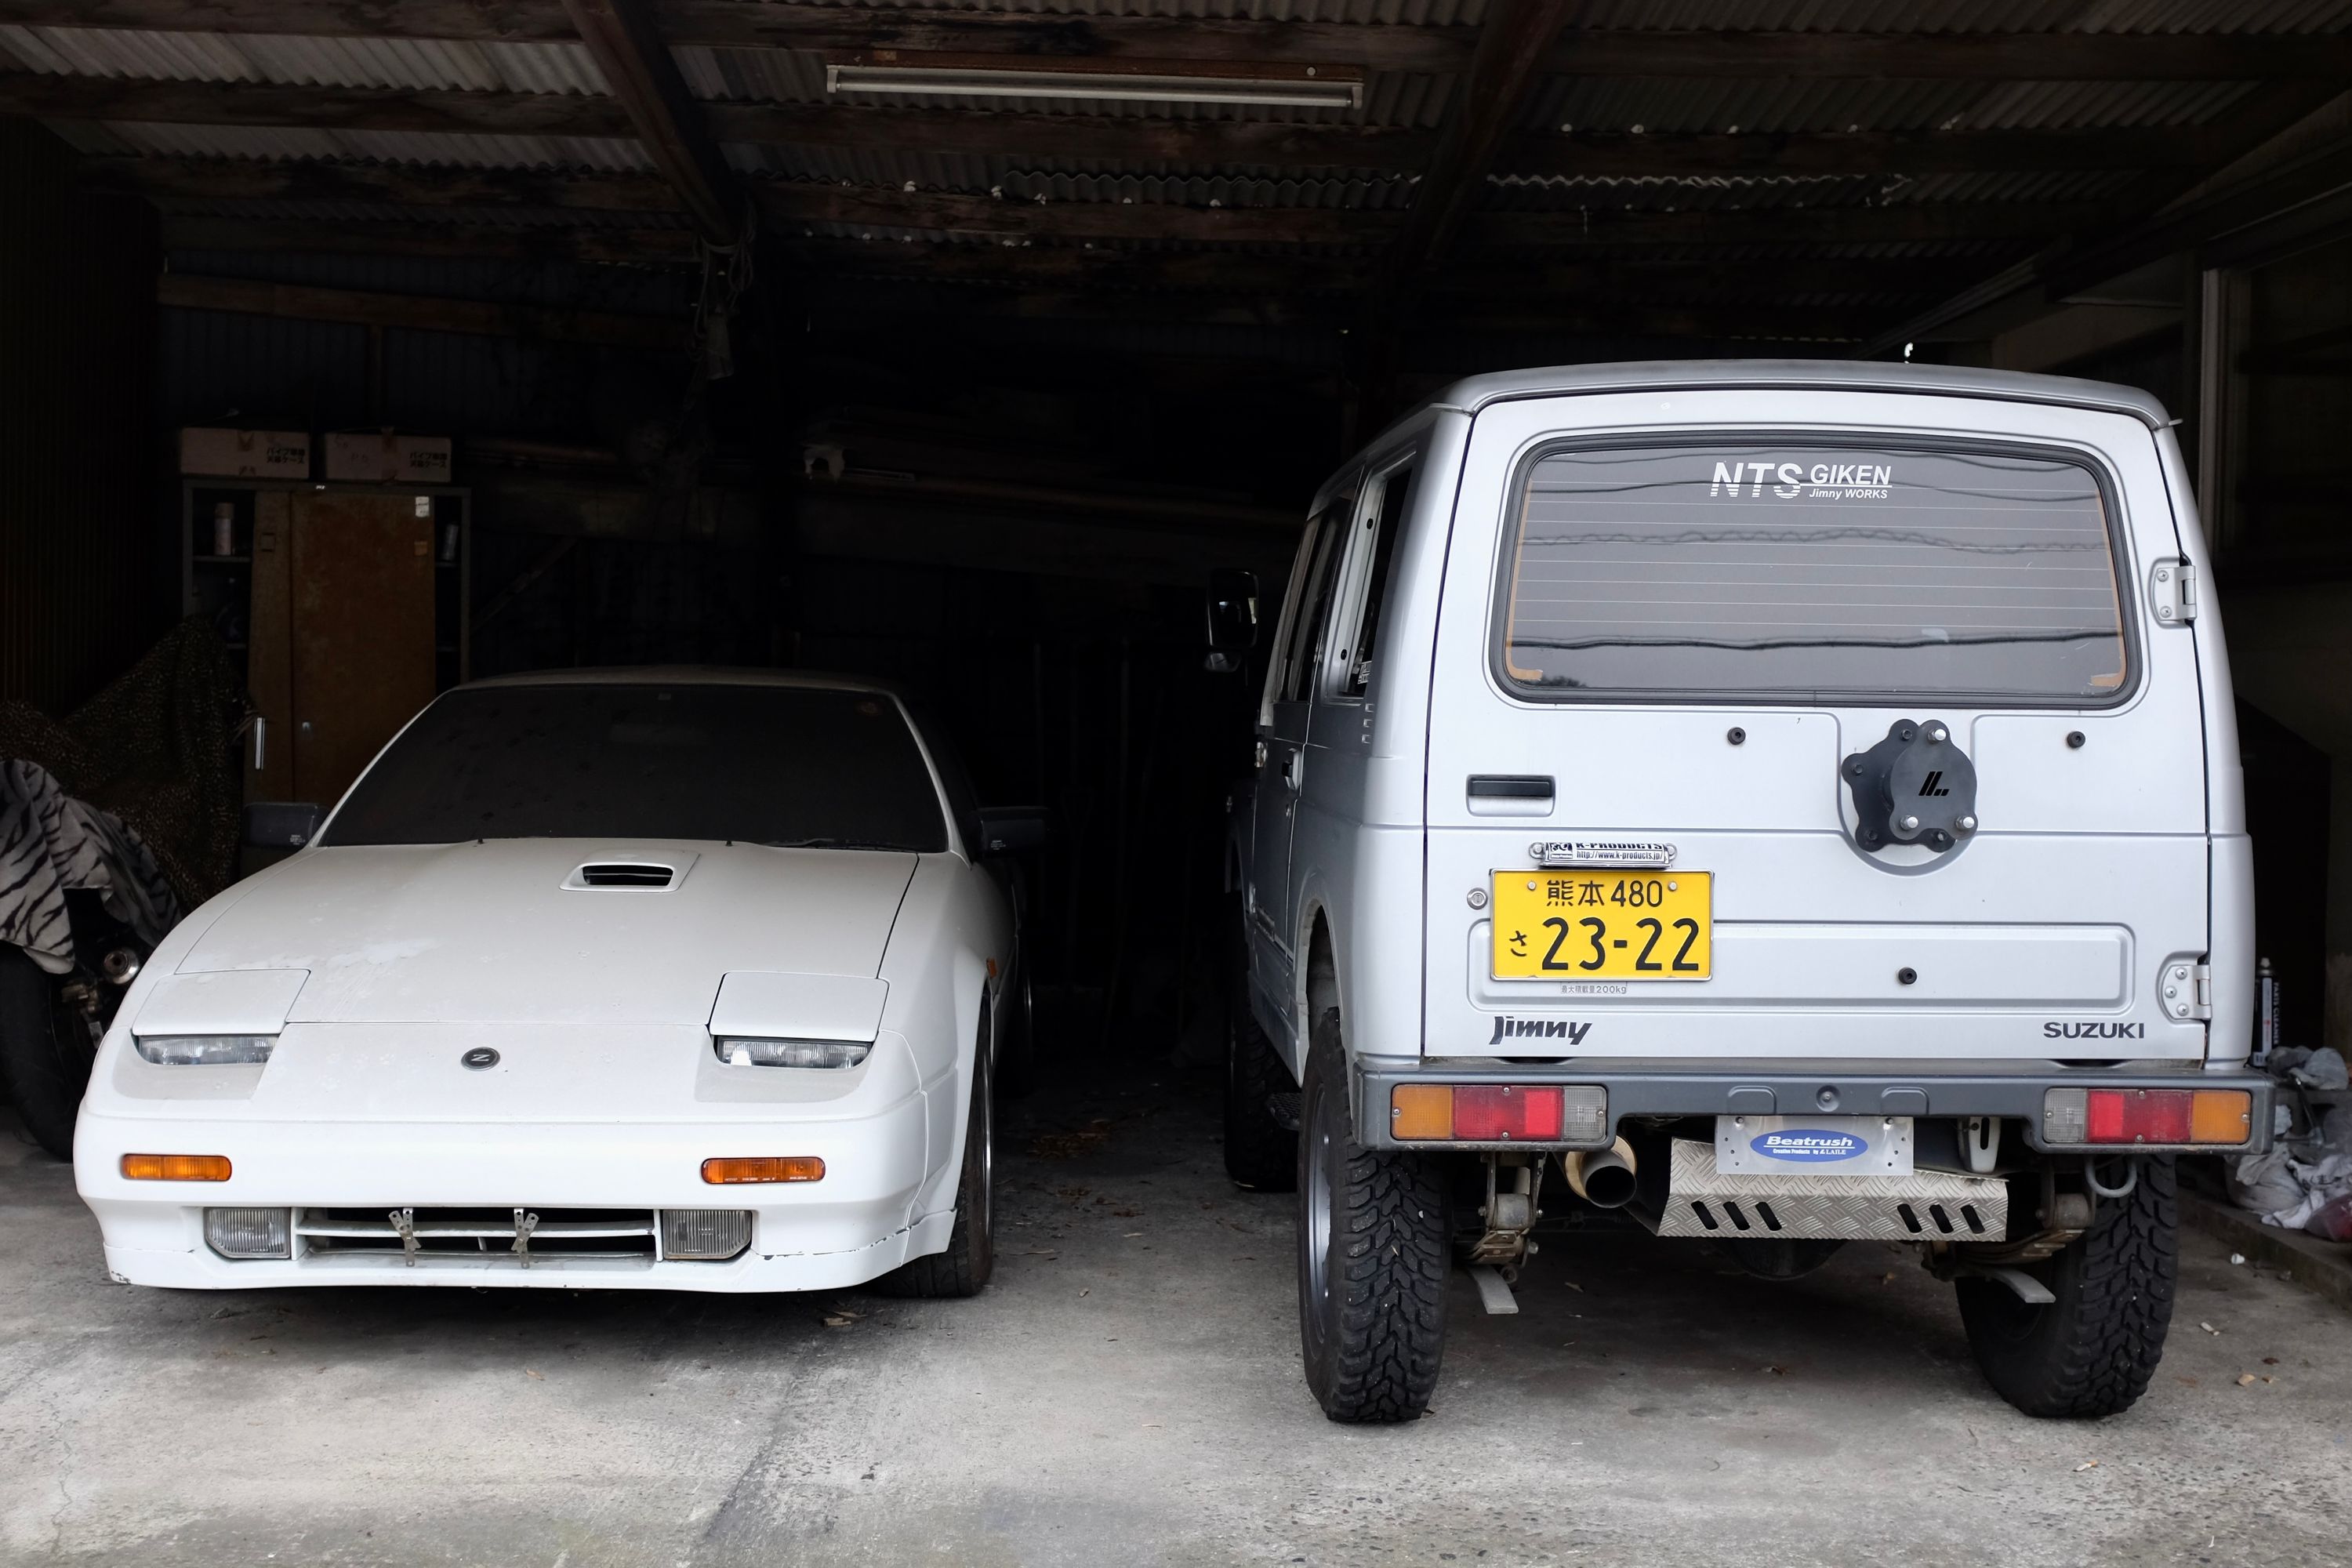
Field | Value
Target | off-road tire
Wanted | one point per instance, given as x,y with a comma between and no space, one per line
45,1052
970,1256
1371,1308
2091,1351
1261,1154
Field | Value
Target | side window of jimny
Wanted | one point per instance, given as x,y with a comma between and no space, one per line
1373,556
1312,606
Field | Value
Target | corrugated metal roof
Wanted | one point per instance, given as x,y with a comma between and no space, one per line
388,62
1393,13
426,148
1969,15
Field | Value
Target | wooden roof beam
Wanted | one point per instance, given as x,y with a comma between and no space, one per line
1512,44
185,291
1599,228
1119,140
1131,140
627,46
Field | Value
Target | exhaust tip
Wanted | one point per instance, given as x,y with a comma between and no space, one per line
1609,1187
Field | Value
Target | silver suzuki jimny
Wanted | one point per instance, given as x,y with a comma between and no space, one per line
1785,804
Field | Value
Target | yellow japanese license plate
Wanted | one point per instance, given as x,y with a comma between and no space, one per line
1603,925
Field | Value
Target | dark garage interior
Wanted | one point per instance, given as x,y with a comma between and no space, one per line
958,347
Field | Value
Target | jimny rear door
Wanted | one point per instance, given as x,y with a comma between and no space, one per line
1811,724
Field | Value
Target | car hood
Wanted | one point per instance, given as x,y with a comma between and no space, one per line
490,932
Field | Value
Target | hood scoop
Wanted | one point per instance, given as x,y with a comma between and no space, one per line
642,876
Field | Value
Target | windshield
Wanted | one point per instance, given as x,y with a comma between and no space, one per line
763,764
1795,570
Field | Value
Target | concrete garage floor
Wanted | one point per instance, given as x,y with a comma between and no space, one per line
1128,1393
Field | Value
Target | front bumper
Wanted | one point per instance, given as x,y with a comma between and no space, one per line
2009,1090
858,1222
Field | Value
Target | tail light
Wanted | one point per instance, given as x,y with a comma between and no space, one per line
2145,1118
1497,1113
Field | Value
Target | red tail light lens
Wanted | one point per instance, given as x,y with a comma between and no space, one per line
1491,1113
2140,1115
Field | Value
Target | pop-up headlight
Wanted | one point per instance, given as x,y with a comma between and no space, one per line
204,1050
753,1053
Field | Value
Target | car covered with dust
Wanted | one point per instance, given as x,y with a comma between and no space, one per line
660,979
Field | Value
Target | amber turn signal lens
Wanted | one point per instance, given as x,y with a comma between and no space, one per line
763,1168
1421,1110
2222,1116
175,1167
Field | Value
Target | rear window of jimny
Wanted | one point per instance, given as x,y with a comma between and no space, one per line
1788,571
761,764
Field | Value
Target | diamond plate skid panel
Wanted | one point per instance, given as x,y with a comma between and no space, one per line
1926,1206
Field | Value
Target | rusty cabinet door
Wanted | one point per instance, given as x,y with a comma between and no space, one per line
342,635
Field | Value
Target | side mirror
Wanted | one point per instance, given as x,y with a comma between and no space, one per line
1009,829
1233,618
279,824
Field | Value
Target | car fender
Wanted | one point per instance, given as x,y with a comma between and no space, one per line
952,928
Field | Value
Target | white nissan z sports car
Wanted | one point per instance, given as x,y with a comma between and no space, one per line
644,979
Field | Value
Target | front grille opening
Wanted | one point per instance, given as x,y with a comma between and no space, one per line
620,875
1943,1221
1910,1218
1704,1218
1764,1212
1738,1220
424,1233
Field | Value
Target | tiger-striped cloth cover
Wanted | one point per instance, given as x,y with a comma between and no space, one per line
50,842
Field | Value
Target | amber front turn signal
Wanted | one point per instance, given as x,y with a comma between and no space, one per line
175,1167
763,1168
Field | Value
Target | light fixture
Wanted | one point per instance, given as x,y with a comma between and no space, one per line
1308,87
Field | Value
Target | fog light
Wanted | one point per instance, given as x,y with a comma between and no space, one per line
763,1168
249,1233
705,1235
175,1167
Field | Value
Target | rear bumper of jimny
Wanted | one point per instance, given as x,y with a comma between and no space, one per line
2012,1090
858,1222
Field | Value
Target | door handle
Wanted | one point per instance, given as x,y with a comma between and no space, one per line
1261,757
1510,795
1290,770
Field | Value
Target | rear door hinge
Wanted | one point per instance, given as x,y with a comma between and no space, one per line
2172,590
2188,991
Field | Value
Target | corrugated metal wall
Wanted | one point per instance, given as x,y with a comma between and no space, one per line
79,545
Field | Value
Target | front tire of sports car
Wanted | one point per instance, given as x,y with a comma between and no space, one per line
46,1050
2091,1351
1373,1255
971,1256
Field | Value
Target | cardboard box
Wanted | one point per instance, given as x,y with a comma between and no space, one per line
374,458
246,454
